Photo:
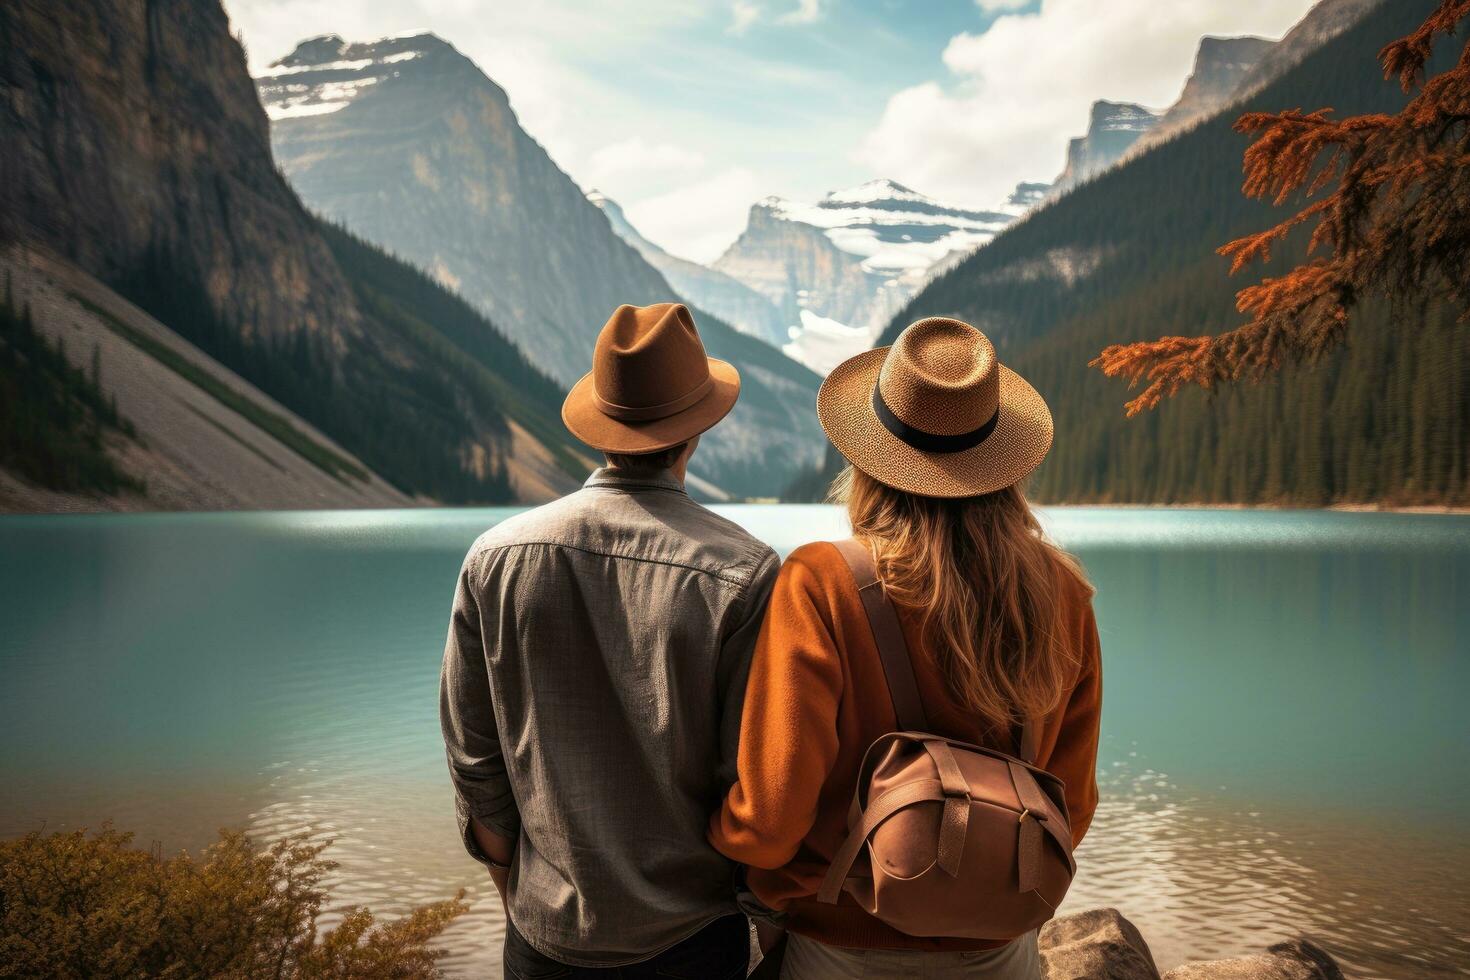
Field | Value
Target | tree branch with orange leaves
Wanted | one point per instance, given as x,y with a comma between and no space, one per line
1393,220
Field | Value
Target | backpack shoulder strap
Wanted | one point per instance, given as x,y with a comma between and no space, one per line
898,670
1028,742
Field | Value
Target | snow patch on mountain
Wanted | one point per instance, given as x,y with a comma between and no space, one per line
325,74
822,343
891,228
841,267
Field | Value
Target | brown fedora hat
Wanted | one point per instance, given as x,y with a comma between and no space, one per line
936,414
651,386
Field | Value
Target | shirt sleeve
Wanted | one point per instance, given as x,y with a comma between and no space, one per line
467,718
788,732
1074,757
736,653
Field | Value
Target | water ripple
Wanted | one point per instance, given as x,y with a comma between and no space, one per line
1202,877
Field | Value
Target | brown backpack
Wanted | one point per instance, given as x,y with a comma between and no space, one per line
962,841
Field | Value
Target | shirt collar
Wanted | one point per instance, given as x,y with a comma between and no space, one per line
634,479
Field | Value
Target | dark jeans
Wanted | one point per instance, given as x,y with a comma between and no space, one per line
719,951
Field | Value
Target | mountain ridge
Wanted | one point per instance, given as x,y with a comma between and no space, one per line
1376,421
1221,65
406,142
1112,129
724,296
139,152
838,268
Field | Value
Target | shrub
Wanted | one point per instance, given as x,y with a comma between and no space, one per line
80,905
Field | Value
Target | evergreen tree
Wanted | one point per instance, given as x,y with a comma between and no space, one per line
1396,223
1382,418
55,419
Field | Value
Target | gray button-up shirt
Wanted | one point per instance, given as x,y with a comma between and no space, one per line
590,700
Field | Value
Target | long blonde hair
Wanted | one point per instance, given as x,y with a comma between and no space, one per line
989,586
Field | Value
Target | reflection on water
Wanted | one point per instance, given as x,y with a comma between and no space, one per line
1204,876
1285,749
1201,878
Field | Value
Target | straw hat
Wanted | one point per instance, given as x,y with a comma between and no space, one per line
936,414
651,386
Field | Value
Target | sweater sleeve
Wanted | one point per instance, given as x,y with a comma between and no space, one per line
788,730
1074,757
735,656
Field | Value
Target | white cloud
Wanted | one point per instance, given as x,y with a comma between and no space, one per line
994,6
526,48
806,12
698,221
745,13
1025,86
742,15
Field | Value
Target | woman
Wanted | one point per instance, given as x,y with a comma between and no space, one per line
997,620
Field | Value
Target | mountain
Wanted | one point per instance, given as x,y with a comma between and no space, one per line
187,433
408,144
1131,255
732,301
1027,195
1325,21
1220,66
125,128
137,153
840,267
1111,130
1229,69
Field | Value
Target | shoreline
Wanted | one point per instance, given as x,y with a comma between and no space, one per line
15,495
1340,508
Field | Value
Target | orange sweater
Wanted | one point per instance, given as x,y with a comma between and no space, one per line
817,698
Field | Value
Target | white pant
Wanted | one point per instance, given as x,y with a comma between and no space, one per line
807,959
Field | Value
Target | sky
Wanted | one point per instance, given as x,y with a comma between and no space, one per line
687,112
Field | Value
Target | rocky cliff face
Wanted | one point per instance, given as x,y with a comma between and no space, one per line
709,289
407,143
137,152
1112,130
1325,21
133,126
837,270
1228,69
1220,65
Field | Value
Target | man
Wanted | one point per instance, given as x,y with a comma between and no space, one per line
594,675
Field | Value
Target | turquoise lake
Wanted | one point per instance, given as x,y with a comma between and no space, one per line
1285,751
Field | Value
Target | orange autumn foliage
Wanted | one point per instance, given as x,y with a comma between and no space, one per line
1393,221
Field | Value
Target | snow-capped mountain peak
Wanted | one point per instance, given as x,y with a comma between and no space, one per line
881,189
892,229
326,73
840,267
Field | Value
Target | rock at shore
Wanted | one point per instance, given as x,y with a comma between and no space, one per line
1296,959
1095,943
1100,944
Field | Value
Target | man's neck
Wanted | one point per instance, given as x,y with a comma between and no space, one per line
647,472
678,471
652,475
